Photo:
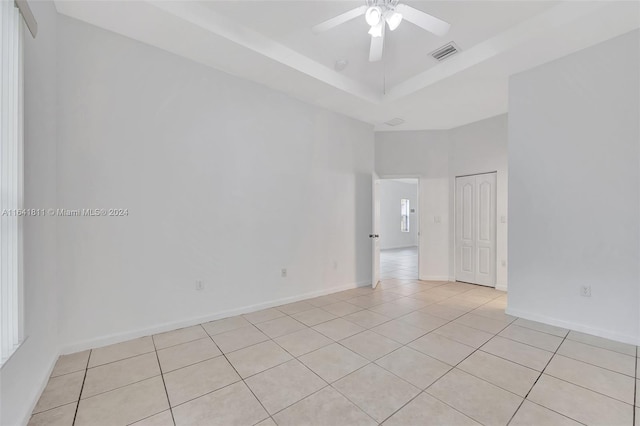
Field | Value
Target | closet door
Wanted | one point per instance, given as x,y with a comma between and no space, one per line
465,229
485,236
476,229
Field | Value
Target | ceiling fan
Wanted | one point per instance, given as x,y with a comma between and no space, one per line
377,13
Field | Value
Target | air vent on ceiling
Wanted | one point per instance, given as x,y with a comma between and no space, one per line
394,122
445,51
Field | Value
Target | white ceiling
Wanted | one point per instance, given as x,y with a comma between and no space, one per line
271,42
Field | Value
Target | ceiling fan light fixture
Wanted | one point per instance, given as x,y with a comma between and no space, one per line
393,19
376,30
373,16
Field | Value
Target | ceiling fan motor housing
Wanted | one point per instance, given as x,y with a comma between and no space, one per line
379,11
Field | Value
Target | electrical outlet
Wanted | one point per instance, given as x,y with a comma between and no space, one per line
199,285
283,273
585,291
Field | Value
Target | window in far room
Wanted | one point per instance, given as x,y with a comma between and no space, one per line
404,215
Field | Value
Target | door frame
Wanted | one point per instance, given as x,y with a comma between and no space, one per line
417,178
455,227
375,228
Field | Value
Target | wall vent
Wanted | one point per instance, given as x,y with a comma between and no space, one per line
394,122
445,51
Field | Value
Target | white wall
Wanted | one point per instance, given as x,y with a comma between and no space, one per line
391,192
24,375
225,181
437,157
574,190
424,155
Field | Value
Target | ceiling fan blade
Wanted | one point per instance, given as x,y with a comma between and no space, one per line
423,20
377,46
340,19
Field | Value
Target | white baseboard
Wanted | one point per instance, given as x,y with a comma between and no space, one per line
40,389
434,278
607,334
501,287
160,328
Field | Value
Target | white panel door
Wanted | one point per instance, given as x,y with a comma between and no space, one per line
485,250
375,231
465,215
476,229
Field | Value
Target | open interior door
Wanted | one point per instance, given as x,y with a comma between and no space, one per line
375,231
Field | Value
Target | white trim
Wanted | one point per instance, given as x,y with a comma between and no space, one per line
501,287
28,17
216,23
434,278
169,326
607,334
11,181
417,177
40,388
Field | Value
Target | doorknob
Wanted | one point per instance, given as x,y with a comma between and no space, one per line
374,236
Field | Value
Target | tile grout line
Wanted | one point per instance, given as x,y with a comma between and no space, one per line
122,386
564,355
406,345
181,343
450,369
537,379
592,364
330,384
166,392
425,392
75,415
589,389
345,396
242,378
479,378
383,355
400,296
557,412
587,344
122,359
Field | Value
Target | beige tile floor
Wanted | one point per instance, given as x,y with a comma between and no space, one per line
407,353
401,263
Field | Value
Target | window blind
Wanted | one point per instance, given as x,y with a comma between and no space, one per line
11,180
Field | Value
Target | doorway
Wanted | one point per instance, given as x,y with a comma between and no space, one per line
398,228
475,229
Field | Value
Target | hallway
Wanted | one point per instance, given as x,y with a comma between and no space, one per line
399,263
